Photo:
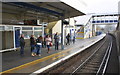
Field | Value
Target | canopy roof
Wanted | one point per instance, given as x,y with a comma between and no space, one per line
45,11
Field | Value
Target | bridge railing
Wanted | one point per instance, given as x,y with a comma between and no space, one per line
105,21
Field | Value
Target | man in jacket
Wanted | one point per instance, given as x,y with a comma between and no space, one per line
56,37
22,44
68,39
32,42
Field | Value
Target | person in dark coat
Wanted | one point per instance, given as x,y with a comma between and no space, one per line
68,39
32,42
39,41
56,37
73,39
22,44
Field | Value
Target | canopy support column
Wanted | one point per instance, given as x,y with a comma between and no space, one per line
62,34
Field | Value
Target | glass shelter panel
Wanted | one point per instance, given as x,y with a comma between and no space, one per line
26,28
2,28
37,28
37,33
27,34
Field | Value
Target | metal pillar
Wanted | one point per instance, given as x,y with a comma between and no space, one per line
62,34
42,28
69,26
93,30
93,27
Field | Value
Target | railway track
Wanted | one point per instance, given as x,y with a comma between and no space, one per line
93,60
97,62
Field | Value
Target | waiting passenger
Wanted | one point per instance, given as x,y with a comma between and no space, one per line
39,45
68,39
22,45
56,37
48,42
32,43
73,39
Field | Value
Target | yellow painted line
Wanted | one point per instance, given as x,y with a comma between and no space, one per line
80,32
58,57
34,62
79,38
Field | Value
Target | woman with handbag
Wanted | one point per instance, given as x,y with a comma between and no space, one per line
48,42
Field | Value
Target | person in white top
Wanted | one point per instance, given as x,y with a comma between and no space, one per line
48,41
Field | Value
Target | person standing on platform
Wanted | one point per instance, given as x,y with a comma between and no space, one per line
22,44
48,41
73,39
39,45
68,39
56,37
32,43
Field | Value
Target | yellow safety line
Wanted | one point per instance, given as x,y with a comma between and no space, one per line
80,32
34,62
79,38
58,57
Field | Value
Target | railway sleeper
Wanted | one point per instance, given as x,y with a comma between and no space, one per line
93,66
94,63
90,68
86,71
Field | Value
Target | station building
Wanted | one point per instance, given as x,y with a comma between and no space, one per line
10,33
25,21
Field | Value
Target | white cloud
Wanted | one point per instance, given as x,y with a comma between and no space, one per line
101,6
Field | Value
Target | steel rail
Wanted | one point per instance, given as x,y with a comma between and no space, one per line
88,57
105,56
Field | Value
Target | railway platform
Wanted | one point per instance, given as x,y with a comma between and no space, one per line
12,62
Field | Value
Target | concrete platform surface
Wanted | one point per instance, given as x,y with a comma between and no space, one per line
12,62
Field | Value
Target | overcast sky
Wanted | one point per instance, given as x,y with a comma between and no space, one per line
98,7
101,6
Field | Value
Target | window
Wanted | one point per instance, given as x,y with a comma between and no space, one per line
27,31
37,33
37,28
27,34
2,28
26,28
9,28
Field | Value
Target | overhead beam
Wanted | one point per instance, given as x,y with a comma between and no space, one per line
36,8
55,7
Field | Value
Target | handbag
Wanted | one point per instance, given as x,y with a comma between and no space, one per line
50,44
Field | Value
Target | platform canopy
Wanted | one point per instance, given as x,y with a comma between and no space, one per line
45,10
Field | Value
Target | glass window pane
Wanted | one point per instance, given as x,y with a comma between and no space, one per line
26,28
27,34
2,28
37,28
37,33
9,28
